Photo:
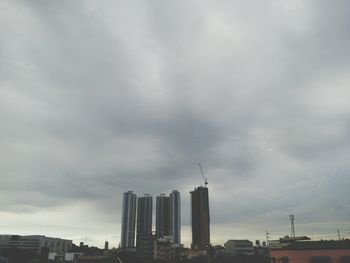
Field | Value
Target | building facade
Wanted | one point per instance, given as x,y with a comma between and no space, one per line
168,216
144,238
144,214
128,220
239,247
35,243
200,218
162,216
175,216
164,249
312,252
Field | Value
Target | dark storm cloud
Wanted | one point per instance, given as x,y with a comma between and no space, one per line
100,98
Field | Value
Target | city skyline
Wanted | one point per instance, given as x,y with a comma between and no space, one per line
101,97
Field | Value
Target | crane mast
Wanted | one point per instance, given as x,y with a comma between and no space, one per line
204,178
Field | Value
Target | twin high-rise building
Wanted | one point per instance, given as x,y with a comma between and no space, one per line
175,217
162,216
168,220
128,220
144,240
144,214
168,216
200,218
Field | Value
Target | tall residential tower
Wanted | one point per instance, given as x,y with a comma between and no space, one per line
144,240
168,216
175,216
144,214
200,218
162,216
128,220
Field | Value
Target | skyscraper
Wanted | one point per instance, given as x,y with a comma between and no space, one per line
128,220
144,214
175,216
168,216
144,227
162,216
200,218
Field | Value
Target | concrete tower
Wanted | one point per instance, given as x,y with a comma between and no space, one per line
200,218
128,220
175,216
162,216
144,227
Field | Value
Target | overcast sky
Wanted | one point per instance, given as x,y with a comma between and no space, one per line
101,97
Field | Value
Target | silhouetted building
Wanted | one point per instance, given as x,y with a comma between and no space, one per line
106,245
162,216
144,245
144,214
175,216
168,216
35,243
128,220
144,238
200,218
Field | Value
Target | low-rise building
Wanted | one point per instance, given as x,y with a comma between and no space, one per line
164,249
238,247
312,251
218,251
285,241
35,243
261,250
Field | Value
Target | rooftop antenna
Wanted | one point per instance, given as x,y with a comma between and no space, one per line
292,230
267,237
204,178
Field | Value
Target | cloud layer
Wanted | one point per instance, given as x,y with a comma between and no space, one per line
97,98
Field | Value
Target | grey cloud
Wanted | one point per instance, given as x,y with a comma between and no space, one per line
100,98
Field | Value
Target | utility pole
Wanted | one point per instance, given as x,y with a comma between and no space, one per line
267,237
338,234
292,231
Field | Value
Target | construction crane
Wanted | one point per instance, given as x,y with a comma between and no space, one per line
204,178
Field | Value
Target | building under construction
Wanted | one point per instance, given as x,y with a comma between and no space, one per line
200,218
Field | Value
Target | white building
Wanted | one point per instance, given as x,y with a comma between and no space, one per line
236,247
35,243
